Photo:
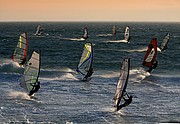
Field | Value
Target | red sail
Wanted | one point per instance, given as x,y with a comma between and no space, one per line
151,53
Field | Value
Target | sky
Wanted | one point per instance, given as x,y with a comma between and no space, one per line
90,10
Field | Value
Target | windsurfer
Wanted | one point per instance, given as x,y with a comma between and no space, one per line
126,101
153,66
23,61
35,88
90,72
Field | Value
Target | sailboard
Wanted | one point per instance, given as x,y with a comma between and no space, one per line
165,42
151,53
85,33
122,82
38,31
114,30
31,72
126,36
20,52
84,67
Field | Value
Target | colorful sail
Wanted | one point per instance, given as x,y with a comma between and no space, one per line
38,30
165,42
85,33
114,30
126,34
122,82
86,61
20,52
31,72
151,53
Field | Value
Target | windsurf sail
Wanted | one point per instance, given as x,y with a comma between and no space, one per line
126,34
114,30
122,82
85,33
165,42
31,72
38,30
20,52
151,53
85,65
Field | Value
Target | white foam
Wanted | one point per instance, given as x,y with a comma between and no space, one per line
67,76
67,122
119,41
138,50
104,35
20,95
158,49
109,75
137,75
74,39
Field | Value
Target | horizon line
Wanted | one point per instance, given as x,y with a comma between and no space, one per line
94,21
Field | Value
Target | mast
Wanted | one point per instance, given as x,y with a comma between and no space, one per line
122,82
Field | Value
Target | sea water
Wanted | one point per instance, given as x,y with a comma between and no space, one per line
63,99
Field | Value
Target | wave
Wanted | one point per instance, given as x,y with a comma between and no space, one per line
11,67
138,50
108,75
74,39
104,35
137,75
67,122
64,77
19,95
119,41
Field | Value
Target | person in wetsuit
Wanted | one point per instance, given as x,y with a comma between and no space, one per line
126,102
90,72
35,88
152,67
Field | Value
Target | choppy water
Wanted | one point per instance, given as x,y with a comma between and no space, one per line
64,99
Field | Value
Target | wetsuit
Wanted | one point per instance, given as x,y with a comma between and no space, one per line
126,103
36,87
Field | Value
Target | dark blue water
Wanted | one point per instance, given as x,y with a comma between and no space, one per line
64,99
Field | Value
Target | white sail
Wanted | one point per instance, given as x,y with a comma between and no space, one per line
122,82
85,33
126,34
165,42
114,30
38,30
31,72
20,51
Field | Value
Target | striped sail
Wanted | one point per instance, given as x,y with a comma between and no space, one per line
126,34
151,53
86,60
31,72
165,42
122,82
85,33
20,51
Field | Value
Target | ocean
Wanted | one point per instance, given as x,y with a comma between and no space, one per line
63,99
